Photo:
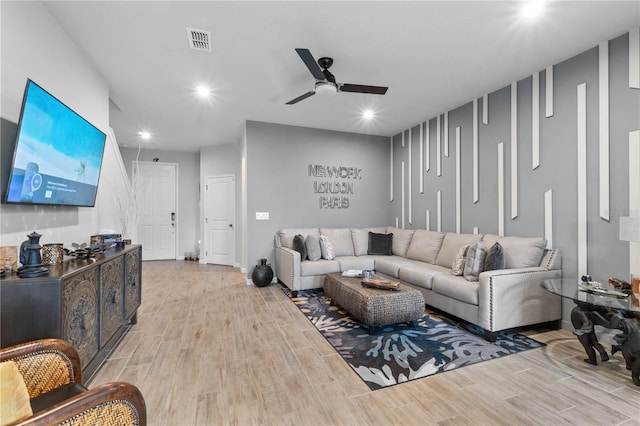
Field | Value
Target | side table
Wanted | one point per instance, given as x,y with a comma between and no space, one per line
609,310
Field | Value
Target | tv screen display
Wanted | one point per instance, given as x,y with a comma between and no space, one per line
58,154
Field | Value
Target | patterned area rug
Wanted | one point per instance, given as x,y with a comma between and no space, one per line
400,353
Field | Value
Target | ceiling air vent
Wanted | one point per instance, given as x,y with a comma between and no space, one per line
199,40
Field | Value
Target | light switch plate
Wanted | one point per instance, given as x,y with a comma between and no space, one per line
262,215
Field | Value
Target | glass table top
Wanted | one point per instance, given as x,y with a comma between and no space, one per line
606,295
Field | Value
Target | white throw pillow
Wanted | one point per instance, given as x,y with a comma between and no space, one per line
326,248
457,268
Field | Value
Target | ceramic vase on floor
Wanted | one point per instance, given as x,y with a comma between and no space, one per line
262,273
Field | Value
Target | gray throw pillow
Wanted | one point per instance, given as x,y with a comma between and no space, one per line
495,258
299,246
380,244
474,262
312,244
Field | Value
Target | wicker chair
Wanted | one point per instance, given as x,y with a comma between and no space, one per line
52,373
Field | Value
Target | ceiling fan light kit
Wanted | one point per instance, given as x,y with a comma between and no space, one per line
326,82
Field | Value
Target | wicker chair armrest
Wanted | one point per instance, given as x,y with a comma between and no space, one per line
112,403
45,364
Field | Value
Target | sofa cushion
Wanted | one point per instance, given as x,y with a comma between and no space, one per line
494,259
457,267
341,240
300,246
360,238
357,262
286,235
456,288
313,247
451,245
474,263
519,252
320,267
326,248
390,265
401,240
425,246
420,274
380,244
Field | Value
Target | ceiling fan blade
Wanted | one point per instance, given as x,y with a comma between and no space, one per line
311,63
359,88
300,98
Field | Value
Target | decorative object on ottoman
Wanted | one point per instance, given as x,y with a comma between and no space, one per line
262,274
30,258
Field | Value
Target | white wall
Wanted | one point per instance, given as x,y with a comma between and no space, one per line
34,46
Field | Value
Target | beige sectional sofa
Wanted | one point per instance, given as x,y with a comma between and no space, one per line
498,300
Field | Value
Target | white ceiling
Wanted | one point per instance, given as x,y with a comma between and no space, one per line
433,55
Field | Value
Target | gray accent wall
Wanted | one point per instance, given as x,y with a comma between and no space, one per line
278,181
607,256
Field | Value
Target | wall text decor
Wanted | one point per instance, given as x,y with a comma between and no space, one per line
336,190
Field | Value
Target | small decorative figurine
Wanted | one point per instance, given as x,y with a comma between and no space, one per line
31,258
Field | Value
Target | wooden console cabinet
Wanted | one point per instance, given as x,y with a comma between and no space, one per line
91,303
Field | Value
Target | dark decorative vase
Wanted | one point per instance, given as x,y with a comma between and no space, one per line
262,274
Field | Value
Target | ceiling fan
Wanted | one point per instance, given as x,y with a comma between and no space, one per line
325,81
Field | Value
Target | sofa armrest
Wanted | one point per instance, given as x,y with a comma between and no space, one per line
514,297
110,403
288,267
45,364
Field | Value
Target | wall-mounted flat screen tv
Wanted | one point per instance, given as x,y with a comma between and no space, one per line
58,154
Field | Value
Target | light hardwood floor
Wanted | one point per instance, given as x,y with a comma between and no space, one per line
210,350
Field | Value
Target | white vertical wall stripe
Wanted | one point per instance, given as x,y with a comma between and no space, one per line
501,189
438,147
634,58
603,101
421,160
634,197
427,147
403,144
402,195
391,168
548,97
397,221
458,182
439,211
474,148
410,177
428,220
446,134
582,177
514,150
535,120
548,218
485,109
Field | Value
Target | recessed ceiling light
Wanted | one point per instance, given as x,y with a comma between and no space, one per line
145,135
203,91
532,8
368,114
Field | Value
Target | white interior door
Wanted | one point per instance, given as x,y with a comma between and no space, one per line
219,216
157,210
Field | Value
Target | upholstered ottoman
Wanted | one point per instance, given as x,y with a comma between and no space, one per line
374,307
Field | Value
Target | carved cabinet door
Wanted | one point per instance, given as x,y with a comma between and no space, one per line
132,291
112,298
80,313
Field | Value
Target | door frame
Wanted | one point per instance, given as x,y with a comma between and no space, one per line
204,216
177,194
